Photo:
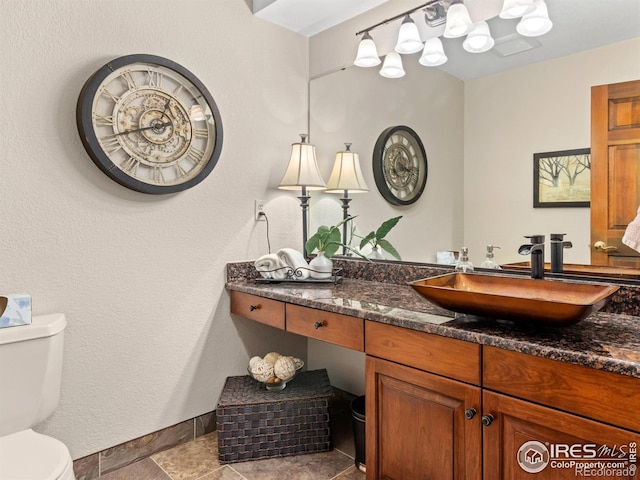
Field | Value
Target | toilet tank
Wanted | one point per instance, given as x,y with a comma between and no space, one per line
30,372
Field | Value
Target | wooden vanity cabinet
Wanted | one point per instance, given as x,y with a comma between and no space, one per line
420,425
442,408
557,403
434,412
516,422
422,422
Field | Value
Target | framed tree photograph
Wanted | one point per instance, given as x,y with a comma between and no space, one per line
562,179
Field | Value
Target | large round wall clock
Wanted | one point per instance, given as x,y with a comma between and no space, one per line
149,124
400,165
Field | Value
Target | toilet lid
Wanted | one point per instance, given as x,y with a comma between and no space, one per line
28,455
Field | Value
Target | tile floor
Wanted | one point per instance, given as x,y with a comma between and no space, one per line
198,460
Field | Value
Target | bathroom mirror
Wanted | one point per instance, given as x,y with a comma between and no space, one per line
480,136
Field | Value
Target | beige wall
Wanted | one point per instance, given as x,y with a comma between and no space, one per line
512,115
141,278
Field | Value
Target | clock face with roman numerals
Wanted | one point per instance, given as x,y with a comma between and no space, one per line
400,165
149,124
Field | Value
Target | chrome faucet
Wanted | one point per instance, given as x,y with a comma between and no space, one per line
558,244
536,249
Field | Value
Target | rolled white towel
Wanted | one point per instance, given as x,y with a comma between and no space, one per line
631,237
270,266
294,259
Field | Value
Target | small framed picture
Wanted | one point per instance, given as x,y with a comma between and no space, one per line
562,179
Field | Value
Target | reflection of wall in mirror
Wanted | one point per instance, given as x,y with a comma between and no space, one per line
356,105
480,194
514,114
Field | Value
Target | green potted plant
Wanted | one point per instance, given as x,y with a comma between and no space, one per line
326,241
376,240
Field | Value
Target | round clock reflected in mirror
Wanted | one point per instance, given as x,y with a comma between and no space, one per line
400,165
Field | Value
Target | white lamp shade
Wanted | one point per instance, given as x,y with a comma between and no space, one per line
302,170
535,23
367,53
408,37
346,174
433,54
479,39
458,21
516,8
392,66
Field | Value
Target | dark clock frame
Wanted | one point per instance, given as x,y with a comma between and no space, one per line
102,160
378,165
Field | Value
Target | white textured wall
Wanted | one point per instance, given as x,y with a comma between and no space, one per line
512,115
141,278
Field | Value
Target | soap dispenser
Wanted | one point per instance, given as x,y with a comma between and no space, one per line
464,265
489,262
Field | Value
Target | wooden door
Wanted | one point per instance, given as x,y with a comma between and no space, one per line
615,170
416,427
546,442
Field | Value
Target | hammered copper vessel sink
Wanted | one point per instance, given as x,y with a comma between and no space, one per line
520,299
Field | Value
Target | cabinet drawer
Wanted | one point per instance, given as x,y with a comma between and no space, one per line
432,353
604,396
263,310
330,327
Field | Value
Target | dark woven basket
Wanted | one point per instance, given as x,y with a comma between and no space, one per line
255,423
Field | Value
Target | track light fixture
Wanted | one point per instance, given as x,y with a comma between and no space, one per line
535,21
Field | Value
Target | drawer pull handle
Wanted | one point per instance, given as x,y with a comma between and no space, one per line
469,413
317,325
253,307
487,420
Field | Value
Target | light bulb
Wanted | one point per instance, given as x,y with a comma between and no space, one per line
479,39
408,37
392,66
458,21
367,53
535,23
433,54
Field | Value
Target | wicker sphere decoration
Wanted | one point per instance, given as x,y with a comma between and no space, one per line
253,361
262,370
271,357
284,368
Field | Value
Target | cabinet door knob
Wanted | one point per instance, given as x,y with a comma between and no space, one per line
487,420
253,307
469,413
317,325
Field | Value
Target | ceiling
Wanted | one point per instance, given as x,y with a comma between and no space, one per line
577,25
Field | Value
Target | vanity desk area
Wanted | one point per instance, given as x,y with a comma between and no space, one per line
461,397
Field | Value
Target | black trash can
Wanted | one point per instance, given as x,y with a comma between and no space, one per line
357,419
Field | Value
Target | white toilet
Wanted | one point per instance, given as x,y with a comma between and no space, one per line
30,376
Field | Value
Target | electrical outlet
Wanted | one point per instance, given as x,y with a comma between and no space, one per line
259,210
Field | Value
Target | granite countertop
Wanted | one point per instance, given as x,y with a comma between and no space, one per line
604,341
